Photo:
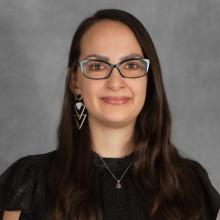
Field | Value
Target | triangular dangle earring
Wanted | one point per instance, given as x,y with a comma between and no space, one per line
79,109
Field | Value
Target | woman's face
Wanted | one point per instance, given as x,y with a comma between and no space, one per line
113,40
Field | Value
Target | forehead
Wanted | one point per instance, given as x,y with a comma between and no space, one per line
109,38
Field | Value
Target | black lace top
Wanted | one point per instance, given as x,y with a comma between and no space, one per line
23,187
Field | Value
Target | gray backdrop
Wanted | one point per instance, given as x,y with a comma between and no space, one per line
34,44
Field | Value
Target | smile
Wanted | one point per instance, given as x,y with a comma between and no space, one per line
116,100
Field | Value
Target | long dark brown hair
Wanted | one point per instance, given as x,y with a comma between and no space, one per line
159,170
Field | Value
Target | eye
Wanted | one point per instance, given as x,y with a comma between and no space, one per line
132,65
95,66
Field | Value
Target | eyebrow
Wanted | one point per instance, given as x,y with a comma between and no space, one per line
96,56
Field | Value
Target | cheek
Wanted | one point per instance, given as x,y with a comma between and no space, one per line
141,91
89,92
141,87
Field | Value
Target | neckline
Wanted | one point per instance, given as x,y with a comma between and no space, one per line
114,163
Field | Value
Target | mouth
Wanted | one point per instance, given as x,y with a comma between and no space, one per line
115,100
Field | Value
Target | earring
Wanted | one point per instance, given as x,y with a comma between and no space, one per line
79,110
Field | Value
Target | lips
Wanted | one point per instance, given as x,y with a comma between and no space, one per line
115,100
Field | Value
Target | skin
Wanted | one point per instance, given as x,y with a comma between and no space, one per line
111,126
11,215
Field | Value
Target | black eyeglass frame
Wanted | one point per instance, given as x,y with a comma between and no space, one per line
82,62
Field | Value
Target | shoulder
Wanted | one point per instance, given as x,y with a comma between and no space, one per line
26,167
210,194
23,181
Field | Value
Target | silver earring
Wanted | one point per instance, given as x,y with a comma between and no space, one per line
79,109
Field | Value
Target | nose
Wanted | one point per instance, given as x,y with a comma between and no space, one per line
115,79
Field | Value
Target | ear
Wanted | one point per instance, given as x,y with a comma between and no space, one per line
74,84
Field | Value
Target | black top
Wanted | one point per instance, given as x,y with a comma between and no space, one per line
23,187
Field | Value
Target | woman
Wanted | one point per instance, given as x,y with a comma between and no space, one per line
114,157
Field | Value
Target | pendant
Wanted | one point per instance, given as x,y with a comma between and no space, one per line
118,185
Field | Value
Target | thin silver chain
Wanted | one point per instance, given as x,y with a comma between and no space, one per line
118,180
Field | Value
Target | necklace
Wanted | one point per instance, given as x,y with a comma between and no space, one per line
118,185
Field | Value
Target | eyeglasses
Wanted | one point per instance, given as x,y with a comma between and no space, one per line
100,69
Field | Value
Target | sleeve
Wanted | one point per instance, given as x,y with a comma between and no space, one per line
17,185
210,194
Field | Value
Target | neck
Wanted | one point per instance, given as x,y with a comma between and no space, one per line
111,141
